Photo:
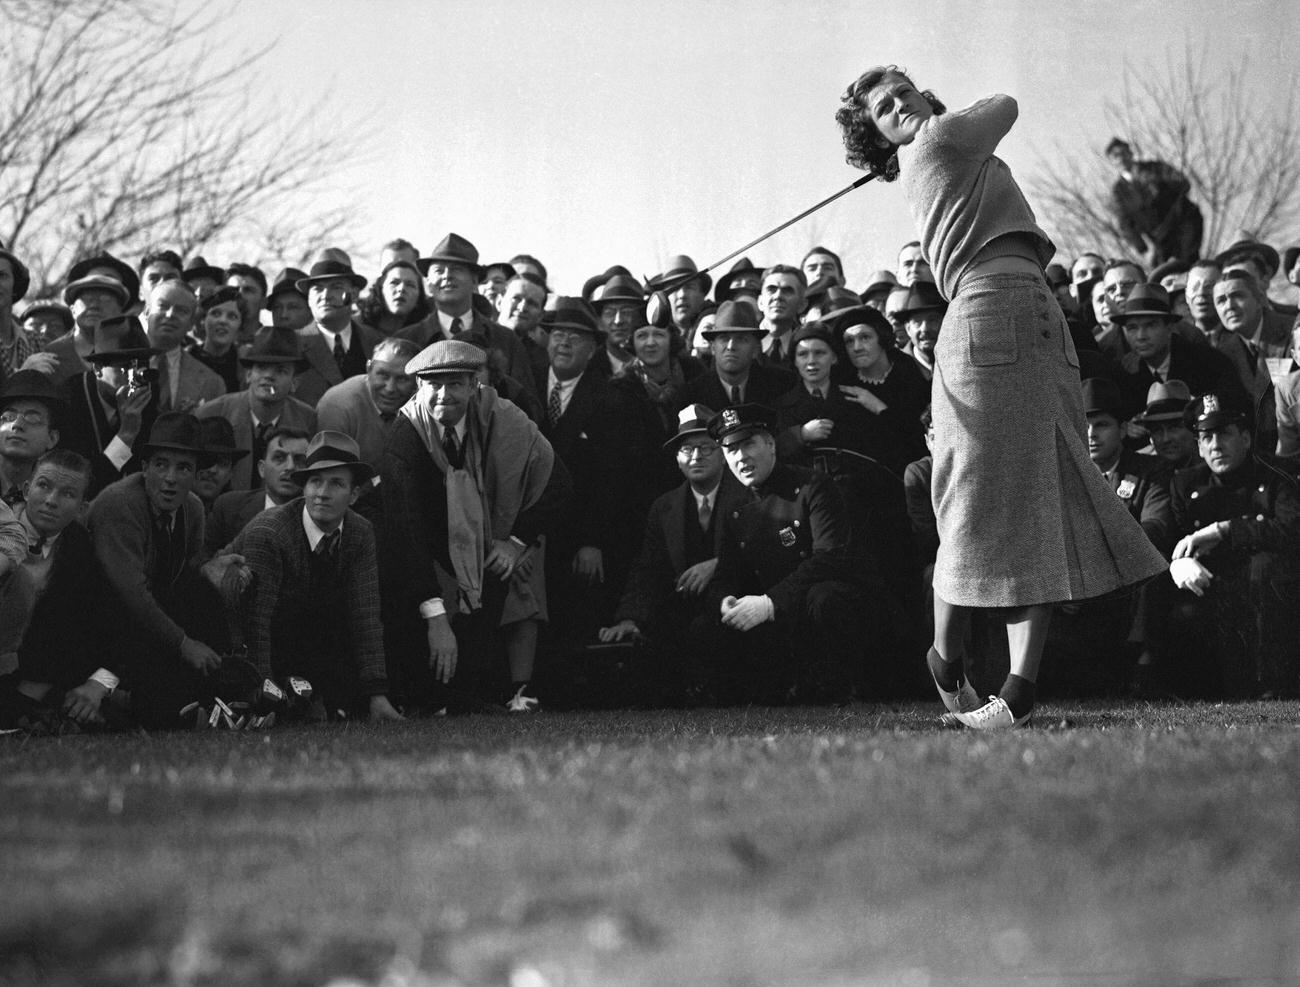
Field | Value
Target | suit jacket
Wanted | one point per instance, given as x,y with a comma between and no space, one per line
766,384
1138,482
70,362
790,534
322,372
350,408
505,351
230,515
86,429
671,528
1273,336
276,548
121,523
237,410
1202,368
198,385
918,480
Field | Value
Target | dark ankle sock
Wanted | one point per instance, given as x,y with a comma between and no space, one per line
1019,695
948,674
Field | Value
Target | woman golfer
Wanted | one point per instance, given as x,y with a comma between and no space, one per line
1025,518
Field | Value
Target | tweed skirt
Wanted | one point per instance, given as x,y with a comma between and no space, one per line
1024,516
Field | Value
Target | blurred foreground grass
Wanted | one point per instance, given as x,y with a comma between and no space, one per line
1131,844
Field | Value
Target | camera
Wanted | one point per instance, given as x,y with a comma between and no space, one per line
140,375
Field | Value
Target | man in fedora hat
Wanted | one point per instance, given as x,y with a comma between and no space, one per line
520,309
452,274
287,305
1162,420
201,276
184,381
1158,353
45,320
738,377
336,346
584,557
271,363
469,486
112,407
148,535
741,279
91,298
221,454
790,587
15,345
780,300
596,281
312,608
30,408
879,284
363,407
1238,516
251,282
620,306
664,598
920,312
687,289
286,451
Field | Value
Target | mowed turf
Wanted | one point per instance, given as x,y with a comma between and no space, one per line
1130,844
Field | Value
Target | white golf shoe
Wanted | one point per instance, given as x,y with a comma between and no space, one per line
993,715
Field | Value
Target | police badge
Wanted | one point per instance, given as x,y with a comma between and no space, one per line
787,536
1127,488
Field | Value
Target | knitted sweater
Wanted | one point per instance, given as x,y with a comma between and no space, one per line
962,195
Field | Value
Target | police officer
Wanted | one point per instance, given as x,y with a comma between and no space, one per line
1239,518
792,591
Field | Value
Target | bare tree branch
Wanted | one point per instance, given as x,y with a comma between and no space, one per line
1241,155
115,135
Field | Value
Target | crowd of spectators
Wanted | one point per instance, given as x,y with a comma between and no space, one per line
227,500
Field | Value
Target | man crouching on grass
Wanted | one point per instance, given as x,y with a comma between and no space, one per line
312,609
793,593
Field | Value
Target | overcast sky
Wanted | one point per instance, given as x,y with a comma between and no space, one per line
591,133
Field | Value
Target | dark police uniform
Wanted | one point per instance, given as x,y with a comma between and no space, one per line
1244,627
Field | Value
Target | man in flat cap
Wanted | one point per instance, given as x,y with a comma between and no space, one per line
312,608
91,298
665,598
738,377
452,274
268,402
1238,517
148,535
469,485
335,346
791,589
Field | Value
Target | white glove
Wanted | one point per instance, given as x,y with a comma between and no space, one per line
748,612
1189,574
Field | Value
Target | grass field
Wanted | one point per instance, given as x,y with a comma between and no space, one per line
1132,844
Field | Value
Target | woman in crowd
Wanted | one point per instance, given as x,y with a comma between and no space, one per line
396,299
1025,520
219,320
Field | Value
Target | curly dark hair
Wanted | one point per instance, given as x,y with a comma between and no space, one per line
373,307
861,138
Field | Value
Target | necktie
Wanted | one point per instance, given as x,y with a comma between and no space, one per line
13,496
553,407
340,354
328,547
706,513
259,451
456,327
817,394
451,447
37,547
735,394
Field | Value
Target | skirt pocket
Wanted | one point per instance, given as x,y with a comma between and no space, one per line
992,339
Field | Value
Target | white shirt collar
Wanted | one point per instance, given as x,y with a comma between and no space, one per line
345,332
460,428
466,321
712,496
1161,370
314,534
33,536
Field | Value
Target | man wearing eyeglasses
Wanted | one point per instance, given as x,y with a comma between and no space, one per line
664,600
29,403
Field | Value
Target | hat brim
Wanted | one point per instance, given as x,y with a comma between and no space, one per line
361,472
302,284
73,291
1217,419
212,273
1159,416
150,447
717,330
424,263
1120,318
113,357
672,444
594,331
727,432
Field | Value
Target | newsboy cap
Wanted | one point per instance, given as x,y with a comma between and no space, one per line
447,356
